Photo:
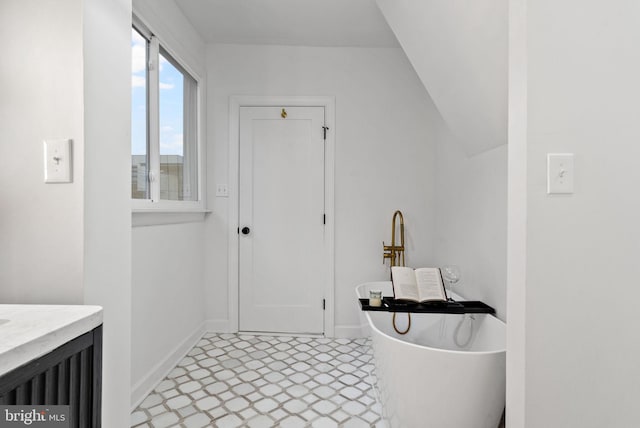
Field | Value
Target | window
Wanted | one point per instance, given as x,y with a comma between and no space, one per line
164,112
139,143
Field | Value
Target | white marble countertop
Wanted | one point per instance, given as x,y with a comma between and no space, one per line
31,331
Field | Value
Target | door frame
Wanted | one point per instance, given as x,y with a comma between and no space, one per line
235,102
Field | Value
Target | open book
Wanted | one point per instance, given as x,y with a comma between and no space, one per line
419,285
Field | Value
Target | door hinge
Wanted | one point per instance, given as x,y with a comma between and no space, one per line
324,304
238,230
324,219
324,129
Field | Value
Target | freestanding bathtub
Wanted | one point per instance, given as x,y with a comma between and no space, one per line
448,371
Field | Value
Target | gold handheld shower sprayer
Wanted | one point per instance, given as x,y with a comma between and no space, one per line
395,252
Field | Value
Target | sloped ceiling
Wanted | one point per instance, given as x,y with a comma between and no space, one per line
457,47
459,50
290,22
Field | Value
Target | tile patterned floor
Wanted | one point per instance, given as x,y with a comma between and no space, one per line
230,380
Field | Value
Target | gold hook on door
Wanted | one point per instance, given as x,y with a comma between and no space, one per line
283,114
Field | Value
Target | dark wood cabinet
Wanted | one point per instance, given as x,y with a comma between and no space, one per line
69,375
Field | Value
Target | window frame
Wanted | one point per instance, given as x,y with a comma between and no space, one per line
156,46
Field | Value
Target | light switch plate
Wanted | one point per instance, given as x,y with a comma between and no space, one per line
560,173
57,161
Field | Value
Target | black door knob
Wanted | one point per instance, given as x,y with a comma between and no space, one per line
245,230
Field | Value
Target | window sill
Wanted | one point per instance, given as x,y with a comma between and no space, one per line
156,217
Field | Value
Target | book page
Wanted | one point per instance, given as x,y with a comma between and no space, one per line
404,283
429,284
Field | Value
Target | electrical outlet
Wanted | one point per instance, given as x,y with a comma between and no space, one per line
222,191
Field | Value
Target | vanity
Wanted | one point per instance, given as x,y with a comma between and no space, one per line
52,355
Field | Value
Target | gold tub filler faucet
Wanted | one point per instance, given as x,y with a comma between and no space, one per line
395,252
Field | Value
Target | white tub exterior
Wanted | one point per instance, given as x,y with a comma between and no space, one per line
432,378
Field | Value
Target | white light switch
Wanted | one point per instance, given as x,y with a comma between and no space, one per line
222,191
560,173
57,161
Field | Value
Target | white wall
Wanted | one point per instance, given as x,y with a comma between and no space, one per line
65,74
168,298
471,220
581,363
385,155
107,225
41,237
167,260
459,50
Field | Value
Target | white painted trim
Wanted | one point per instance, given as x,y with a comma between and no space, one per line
218,326
517,216
153,118
172,43
148,383
275,334
156,218
348,332
183,56
235,102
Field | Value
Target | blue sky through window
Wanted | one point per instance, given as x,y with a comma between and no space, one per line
171,102
171,109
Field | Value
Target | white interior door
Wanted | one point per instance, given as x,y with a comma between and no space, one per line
281,227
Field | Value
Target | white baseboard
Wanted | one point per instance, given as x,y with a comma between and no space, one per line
218,326
340,331
142,388
348,332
